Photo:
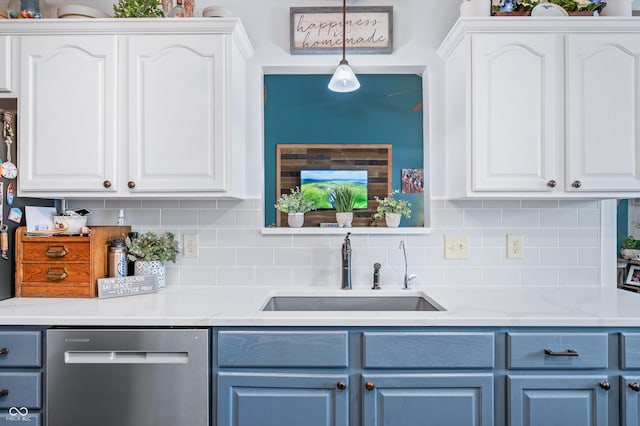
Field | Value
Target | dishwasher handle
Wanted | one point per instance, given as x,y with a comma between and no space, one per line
125,357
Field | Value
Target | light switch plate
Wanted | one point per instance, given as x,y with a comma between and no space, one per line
456,247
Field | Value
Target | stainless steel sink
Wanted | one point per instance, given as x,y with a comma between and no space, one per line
350,303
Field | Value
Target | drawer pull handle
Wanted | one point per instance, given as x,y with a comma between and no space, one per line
57,274
4,392
568,352
4,351
634,387
369,385
56,251
342,385
605,385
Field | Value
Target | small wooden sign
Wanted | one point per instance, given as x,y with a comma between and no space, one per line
127,286
319,29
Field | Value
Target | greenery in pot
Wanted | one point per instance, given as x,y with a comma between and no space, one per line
343,199
295,202
391,205
138,9
149,247
630,243
568,5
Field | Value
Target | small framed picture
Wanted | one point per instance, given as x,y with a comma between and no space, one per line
633,277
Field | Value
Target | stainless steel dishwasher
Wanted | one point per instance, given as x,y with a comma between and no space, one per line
127,377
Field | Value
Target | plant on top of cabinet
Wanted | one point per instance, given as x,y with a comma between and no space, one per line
295,204
137,9
392,209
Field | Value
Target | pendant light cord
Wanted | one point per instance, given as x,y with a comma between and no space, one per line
344,31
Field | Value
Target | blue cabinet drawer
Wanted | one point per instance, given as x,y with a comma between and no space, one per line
20,390
557,350
283,349
428,350
630,350
20,416
20,349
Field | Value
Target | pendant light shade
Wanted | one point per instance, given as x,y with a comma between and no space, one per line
344,79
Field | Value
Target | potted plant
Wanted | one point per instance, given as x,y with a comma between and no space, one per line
343,199
295,204
630,248
150,252
137,9
392,209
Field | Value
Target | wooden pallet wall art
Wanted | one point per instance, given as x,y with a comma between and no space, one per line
374,158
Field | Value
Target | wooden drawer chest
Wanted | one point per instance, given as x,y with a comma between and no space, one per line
63,266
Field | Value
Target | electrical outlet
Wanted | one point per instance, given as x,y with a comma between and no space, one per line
456,247
514,246
190,245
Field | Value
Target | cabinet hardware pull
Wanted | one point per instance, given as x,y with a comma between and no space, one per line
4,351
57,274
131,184
568,352
552,183
605,385
106,184
576,184
341,385
4,392
369,385
634,386
56,251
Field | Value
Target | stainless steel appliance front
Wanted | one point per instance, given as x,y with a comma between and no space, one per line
127,377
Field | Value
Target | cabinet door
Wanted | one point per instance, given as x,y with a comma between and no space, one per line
6,64
67,114
516,112
603,109
557,400
280,399
444,399
177,99
630,399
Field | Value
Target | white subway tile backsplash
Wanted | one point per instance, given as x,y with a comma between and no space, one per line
561,244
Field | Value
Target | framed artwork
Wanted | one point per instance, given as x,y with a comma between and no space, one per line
633,277
412,181
318,30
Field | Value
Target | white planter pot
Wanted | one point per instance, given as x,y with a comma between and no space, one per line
630,254
295,220
344,219
392,220
617,8
152,267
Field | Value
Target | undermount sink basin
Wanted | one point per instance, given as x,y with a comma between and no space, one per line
350,303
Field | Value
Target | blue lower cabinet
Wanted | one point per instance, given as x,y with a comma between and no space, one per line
428,399
282,399
630,400
558,400
20,416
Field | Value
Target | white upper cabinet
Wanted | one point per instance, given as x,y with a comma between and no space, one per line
6,64
535,113
146,108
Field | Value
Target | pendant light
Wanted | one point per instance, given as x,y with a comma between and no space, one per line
344,79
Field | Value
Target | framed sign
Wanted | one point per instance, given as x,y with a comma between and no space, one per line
317,30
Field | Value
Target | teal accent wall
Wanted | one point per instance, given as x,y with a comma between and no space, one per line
622,222
300,109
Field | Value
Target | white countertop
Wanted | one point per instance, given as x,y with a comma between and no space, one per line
199,306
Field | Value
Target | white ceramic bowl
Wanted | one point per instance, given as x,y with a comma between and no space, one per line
80,11
216,12
69,224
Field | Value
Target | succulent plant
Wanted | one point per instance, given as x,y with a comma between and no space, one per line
138,9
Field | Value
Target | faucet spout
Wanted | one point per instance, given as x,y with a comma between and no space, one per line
408,279
346,263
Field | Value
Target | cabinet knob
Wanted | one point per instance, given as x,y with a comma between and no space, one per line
56,251
576,184
4,392
342,385
57,274
4,351
552,183
369,385
106,184
131,184
605,385
634,387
